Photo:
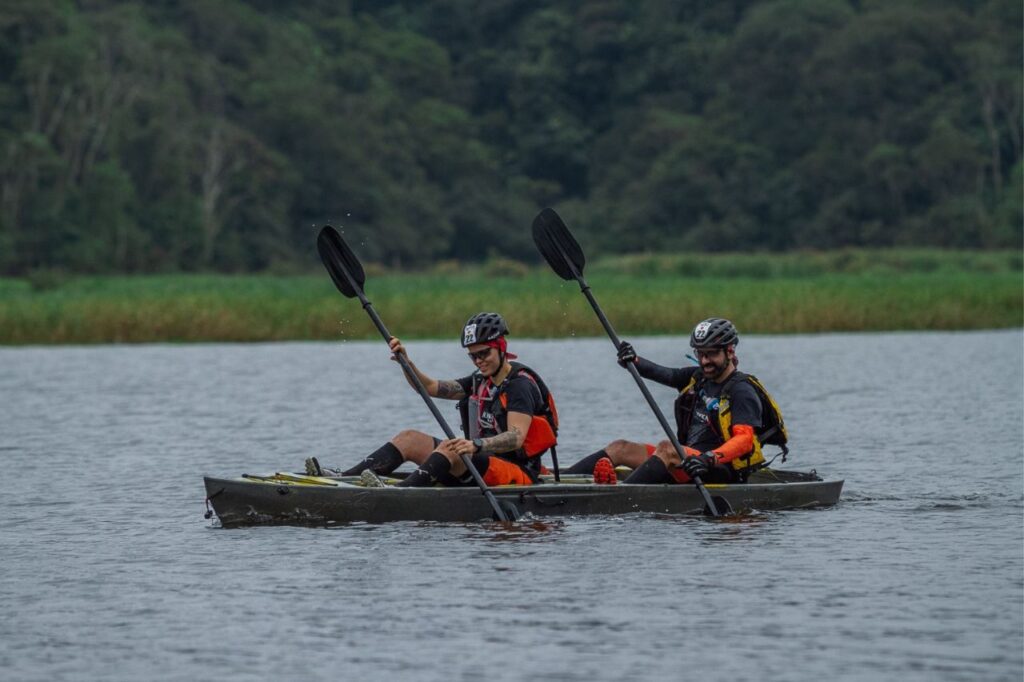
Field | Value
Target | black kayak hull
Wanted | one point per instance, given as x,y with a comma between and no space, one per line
244,502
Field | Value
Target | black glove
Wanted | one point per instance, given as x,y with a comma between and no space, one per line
626,354
699,465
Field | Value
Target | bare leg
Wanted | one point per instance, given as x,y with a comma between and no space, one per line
620,452
408,445
668,454
415,446
627,453
659,467
447,449
441,461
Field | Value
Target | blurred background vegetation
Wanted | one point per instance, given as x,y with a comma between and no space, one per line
217,135
842,290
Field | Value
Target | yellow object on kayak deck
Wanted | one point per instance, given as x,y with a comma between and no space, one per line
304,479
291,479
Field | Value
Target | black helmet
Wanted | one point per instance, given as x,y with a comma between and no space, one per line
483,327
714,332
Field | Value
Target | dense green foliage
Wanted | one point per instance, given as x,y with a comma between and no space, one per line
853,290
216,134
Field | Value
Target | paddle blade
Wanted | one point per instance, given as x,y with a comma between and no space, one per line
511,511
557,245
722,507
339,260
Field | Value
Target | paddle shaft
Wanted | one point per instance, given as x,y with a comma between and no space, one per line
633,372
407,368
422,390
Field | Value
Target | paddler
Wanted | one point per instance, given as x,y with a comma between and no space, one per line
508,420
723,417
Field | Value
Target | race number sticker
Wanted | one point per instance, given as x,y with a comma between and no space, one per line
701,330
469,334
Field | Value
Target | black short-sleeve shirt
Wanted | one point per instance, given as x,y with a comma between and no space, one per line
523,397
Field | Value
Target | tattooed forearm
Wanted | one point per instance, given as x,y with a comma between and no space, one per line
452,390
504,442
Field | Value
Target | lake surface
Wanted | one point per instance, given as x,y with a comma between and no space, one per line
110,571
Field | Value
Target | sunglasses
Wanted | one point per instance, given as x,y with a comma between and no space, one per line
707,353
480,355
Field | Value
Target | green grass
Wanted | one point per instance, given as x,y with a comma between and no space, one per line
869,291
817,263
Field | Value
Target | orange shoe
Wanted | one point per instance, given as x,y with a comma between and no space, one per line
604,472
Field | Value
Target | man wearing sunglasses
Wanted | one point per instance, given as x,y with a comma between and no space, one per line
508,419
720,417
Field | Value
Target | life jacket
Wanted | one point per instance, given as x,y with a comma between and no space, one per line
772,431
543,432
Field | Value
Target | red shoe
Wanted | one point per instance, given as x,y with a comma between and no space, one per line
604,472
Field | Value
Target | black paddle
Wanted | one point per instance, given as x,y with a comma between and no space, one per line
347,273
564,255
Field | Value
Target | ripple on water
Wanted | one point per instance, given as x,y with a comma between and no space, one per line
110,571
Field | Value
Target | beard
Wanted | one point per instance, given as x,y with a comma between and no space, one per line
713,369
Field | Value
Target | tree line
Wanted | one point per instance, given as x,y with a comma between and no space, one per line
177,135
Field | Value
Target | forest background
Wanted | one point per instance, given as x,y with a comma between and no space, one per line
216,136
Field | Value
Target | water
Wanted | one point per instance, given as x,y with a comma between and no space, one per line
109,570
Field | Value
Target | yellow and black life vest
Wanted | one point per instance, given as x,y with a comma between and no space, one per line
773,427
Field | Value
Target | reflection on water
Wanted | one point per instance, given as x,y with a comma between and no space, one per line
110,571
735,526
526,529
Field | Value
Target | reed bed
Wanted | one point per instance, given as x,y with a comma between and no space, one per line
650,296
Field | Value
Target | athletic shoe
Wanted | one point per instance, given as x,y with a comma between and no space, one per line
370,480
313,468
604,472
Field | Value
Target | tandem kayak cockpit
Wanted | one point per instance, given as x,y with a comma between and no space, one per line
298,499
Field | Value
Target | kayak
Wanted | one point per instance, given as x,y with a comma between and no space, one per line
296,499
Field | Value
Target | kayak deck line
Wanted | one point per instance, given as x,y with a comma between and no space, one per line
296,499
